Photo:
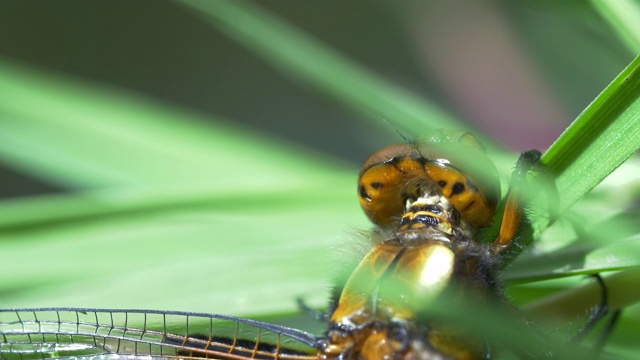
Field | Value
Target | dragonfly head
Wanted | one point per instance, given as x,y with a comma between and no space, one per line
452,164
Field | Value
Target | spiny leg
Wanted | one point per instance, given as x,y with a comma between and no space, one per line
598,313
311,312
608,330
513,210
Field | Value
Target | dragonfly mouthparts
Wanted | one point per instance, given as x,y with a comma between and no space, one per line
431,210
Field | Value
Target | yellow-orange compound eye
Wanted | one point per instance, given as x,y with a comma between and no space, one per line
390,176
463,193
382,186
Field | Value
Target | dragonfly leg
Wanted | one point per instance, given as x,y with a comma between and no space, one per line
598,312
311,312
513,210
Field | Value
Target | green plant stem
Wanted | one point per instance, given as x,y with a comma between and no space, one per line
605,135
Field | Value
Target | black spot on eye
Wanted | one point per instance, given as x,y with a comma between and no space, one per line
442,183
458,188
363,193
377,185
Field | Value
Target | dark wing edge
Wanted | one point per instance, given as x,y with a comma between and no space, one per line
35,333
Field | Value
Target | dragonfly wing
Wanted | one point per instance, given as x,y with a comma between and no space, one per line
88,333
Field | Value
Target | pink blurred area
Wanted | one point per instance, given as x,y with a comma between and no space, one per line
473,53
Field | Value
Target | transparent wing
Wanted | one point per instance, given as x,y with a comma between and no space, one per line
92,333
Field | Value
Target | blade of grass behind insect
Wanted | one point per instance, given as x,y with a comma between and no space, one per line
82,135
303,57
52,210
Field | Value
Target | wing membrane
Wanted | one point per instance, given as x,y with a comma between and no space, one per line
88,333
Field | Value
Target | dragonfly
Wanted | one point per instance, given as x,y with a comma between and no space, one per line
429,203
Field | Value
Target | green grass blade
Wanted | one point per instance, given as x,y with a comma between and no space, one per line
80,206
567,305
577,260
214,257
605,135
81,135
301,56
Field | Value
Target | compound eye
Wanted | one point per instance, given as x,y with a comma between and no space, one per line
463,193
382,186
467,177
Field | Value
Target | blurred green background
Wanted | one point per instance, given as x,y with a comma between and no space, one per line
150,158
521,71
